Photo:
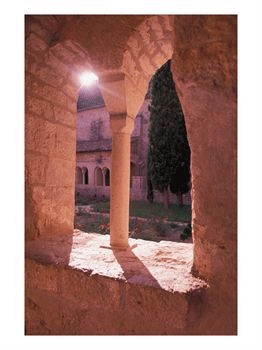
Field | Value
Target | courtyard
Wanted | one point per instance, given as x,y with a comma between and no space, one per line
147,221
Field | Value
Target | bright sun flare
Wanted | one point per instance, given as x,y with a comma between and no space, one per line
88,78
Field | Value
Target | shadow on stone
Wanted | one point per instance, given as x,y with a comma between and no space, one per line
133,269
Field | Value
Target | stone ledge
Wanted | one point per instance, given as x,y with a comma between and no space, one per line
79,285
165,265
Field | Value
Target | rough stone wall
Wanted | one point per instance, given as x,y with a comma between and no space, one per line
205,71
68,302
74,285
50,115
147,49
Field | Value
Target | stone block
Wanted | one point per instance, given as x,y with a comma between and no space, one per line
65,150
133,44
158,30
54,95
48,281
55,218
70,90
46,74
40,107
59,194
35,168
40,135
76,49
41,89
60,172
206,49
147,65
63,115
59,67
38,29
71,104
64,54
67,134
35,43
49,22
144,32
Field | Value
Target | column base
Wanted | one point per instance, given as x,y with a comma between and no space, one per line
117,247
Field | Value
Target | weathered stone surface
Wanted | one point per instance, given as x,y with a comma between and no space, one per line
40,107
46,73
54,218
205,48
35,168
40,135
204,70
164,265
60,172
63,115
35,43
150,287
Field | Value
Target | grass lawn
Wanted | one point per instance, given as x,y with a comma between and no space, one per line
151,210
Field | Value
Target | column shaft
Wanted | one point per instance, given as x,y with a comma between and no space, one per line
119,190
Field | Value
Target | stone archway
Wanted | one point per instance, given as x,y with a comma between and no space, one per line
51,87
204,69
149,47
205,72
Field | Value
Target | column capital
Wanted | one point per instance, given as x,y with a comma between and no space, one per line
121,123
113,89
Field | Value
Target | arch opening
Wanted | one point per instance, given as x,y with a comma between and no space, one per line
99,177
107,177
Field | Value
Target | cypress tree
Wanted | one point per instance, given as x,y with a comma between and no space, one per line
168,153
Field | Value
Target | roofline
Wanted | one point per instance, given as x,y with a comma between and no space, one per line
87,109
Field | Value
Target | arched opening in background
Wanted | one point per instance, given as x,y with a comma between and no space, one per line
79,176
98,177
85,176
107,176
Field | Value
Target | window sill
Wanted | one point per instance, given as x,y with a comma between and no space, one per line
164,265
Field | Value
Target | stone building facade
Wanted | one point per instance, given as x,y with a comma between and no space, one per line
94,147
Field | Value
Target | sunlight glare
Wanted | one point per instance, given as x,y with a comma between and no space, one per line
88,78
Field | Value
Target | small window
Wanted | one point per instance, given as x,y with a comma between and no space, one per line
107,176
85,176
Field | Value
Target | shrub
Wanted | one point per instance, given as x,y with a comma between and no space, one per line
187,232
173,225
161,228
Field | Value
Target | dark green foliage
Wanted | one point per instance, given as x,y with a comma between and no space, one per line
169,152
173,225
187,232
150,192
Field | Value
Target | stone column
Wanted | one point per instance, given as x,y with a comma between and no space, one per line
122,127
